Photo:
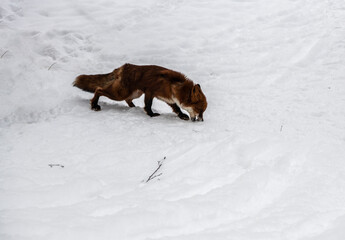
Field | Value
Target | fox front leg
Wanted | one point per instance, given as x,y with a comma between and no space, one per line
148,104
178,111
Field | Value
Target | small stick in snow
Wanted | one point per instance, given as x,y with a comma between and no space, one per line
281,128
4,54
51,66
56,165
160,163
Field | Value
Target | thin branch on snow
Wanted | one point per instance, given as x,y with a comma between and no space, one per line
51,66
56,165
4,54
160,163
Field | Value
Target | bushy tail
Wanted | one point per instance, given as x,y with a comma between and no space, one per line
89,83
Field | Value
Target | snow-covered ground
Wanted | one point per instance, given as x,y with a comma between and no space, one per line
267,163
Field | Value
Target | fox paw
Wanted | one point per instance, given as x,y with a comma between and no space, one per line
183,116
154,115
96,107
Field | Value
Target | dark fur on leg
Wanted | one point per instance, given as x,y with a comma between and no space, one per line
148,105
178,111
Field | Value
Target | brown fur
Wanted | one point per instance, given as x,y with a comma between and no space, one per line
131,81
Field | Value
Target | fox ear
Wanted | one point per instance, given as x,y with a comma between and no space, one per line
196,88
196,92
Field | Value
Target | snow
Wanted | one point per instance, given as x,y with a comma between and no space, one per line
267,162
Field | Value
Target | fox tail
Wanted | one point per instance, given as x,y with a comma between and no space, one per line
89,83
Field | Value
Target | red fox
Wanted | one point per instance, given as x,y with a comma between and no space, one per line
131,81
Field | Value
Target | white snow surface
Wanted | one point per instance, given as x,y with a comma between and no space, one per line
267,163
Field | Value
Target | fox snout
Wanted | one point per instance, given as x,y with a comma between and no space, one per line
195,116
198,118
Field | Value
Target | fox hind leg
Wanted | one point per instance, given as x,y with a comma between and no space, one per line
130,103
114,91
135,94
94,100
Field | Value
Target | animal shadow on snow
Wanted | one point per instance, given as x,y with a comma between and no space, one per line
123,108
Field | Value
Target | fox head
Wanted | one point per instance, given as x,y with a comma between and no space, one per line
197,105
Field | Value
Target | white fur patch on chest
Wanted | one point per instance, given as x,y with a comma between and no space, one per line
167,100
176,101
